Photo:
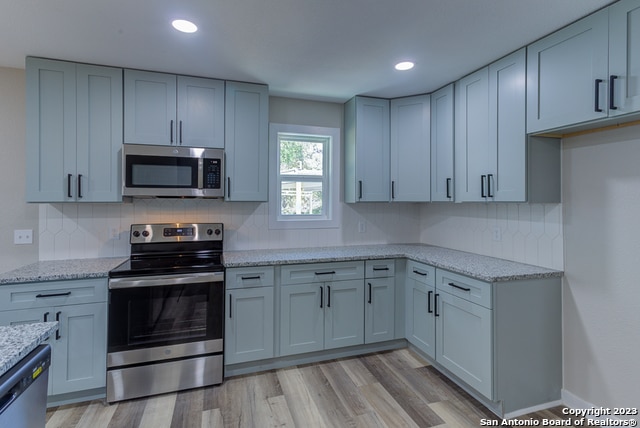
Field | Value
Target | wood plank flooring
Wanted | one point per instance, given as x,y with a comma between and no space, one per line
387,389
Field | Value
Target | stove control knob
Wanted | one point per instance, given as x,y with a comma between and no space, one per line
218,232
209,232
136,233
145,233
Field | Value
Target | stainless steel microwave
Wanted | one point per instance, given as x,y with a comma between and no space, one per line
170,171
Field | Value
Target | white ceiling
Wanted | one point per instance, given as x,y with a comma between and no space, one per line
314,49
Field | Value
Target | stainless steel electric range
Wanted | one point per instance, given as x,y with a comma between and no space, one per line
166,311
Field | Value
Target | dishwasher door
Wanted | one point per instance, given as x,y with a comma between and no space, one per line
23,391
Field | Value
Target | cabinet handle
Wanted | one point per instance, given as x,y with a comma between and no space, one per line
69,185
58,330
482,185
321,296
612,80
489,179
448,188
325,273
79,185
45,317
360,189
171,131
228,187
420,273
393,189
230,306
429,308
369,301
328,296
458,287
246,278
597,96
180,132
68,293
380,268
435,305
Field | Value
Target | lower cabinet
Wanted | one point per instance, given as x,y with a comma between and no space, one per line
249,318
79,348
379,307
420,321
324,313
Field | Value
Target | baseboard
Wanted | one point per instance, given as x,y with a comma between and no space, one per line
574,402
532,409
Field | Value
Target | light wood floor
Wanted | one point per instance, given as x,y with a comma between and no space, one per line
388,389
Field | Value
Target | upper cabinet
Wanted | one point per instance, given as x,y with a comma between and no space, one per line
410,149
442,140
246,141
74,132
166,109
586,71
367,176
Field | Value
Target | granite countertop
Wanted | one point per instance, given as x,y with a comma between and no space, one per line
17,341
57,270
485,268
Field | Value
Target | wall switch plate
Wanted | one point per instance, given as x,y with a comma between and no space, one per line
23,236
497,233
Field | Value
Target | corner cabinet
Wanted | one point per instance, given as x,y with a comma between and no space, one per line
79,348
74,132
249,326
366,152
442,113
321,306
246,142
410,149
165,109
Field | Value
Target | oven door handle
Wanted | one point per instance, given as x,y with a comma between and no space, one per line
160,280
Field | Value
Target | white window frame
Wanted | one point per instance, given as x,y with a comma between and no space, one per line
331,218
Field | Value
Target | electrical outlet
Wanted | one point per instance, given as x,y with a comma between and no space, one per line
114,233
362,227
23,236
497,233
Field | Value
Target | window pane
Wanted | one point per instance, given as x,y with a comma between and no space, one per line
301,198
300,157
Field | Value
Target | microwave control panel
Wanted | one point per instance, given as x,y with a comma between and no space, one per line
212,173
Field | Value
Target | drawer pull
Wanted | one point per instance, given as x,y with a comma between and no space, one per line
420,273
380,268
458,287
246,278
326,273
68,293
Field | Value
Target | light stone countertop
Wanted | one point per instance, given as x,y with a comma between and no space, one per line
17,341
59,270
485,268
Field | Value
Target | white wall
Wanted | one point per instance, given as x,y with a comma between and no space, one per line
14,212
601,295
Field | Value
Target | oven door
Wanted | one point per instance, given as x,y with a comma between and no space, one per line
165,317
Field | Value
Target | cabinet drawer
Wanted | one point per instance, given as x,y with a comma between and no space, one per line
52,293
379,268
259,276
470,289
321,272
422,273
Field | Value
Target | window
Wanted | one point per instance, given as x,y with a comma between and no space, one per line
304,181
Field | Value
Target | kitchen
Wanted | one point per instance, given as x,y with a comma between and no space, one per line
589,235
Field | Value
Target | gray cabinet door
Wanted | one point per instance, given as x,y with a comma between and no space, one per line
249,325
420,322
149,108
344,314
99,134
562,69
472,145
246,141
51,130
200,112
507,167
410,149
301,318
465,341
624,57
379,309
442,145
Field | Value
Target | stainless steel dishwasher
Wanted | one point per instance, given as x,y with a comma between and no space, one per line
23,391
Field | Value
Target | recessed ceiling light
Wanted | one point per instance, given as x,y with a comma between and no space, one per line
405,65
184,26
